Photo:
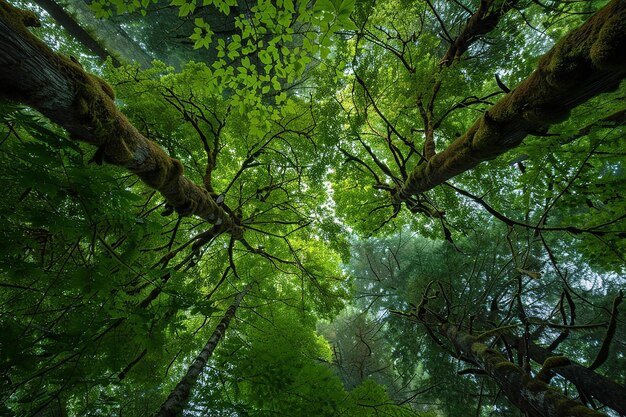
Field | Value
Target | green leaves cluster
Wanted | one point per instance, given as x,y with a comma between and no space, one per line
301,118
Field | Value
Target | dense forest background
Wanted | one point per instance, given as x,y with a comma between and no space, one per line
312,208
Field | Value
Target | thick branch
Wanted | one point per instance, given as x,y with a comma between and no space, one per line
30,73
531,395
587,62
604,390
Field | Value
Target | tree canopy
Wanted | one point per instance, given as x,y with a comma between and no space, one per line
312,208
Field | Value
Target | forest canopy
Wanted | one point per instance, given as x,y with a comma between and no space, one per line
312,208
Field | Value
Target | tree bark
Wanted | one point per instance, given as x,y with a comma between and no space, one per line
483,21
32,74
609,393
74,29
530,395
102,37
179,397
588,61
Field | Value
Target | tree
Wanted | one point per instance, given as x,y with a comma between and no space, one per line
499,321
570,74
102,37
83,104
178,398
531,396
384,119
283,115
589,383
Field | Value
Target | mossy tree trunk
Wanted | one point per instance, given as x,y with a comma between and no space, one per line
32,74
588,61
179,397
588,382
530,395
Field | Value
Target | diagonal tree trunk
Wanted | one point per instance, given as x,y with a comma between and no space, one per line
530,395
101,36
32,74
483,21
588,61
179,397
609,393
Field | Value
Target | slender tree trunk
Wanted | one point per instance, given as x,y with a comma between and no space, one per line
32,74
609,393
179,397
530,395
588,61
74,29
101,36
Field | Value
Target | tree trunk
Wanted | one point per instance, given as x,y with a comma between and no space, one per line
609,393
530,395
32,74
101,36
588,61
179,397
483,21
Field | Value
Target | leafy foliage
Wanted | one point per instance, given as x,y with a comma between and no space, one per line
301,119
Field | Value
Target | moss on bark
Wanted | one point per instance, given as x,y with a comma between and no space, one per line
588,61
83,104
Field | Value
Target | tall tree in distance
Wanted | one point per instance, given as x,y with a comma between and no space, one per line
102,37
177,400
